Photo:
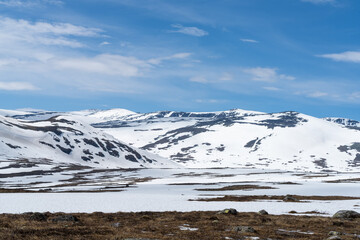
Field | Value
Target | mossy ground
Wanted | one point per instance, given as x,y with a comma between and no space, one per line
166,225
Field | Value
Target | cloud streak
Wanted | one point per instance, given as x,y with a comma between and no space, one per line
17,86
320,1
349,56
30,3
262,74
249,40
192,31
174,56
43,33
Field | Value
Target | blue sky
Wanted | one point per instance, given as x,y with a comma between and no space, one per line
189,55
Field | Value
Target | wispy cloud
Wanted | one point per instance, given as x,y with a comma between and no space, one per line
104,64
193,31
174,56
350,56
266,74
30,3
43,33
355,96
319,1
249,40
104,43
226,77
274,89
17,86
209,101
199,79
317,94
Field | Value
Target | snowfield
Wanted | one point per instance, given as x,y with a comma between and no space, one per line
239,138
119,160
171,190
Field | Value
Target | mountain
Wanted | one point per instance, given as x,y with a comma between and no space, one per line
65,139
349,123
239,138
234,138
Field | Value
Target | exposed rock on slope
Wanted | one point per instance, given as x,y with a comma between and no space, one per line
238,138
64,139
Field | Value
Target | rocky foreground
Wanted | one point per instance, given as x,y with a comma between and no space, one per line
226,224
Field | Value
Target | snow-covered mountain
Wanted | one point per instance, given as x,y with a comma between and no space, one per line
349,123
238,138
63,139
234,138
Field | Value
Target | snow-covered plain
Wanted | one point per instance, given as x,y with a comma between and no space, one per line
171,190
70,166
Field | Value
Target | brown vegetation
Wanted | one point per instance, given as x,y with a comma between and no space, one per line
166,225
348,180
249,198
235,187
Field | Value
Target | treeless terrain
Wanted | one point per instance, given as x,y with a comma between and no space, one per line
171,225
250,198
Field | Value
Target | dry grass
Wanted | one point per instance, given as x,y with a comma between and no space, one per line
165,225
250,198
235,187
348,180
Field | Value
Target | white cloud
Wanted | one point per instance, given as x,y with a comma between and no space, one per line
104,64
199,79
275,89
350,56
355,96
111,64
8,61
17,86
48,28
157,61
29,3
43,33
248,40
193,31
317,94
104,43
209,101
226,77
266,74
319,1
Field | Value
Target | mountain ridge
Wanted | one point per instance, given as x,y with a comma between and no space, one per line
233,138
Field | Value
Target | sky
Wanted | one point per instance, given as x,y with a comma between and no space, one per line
188,55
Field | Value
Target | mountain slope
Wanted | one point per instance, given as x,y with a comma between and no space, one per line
349,123
65,139
238,138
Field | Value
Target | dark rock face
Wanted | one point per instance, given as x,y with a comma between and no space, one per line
65,218
131,158
172,137
12,146
40,217
230,211
244,229
91,142
64,150
354,146
321,163
47,144
251,143
289,198
286,119
346,214
263,212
